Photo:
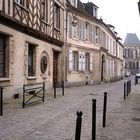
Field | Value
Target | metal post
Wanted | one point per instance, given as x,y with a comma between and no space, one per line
78,125
124,90
62,87
1,101
23,103
43,91
136,80
93,119
127,88
130,85
104,109
54,90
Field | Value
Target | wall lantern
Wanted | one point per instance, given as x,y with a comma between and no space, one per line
139,6
74,20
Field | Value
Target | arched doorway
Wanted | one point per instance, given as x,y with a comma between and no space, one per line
102,67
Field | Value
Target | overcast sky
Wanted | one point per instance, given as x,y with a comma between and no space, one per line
123,14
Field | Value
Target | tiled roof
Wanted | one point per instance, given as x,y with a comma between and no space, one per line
131,40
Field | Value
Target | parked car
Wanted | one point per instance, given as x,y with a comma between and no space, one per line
137,75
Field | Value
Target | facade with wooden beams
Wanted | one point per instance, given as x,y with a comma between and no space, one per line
94,52
53,40
31,41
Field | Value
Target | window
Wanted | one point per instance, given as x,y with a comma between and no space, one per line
43,64
133,65
4,57
31,60
92,34
44,10
97,34
74,3
87,62
22,2
87,30
70,26
104,40
95,11
137,65
56,16
75,60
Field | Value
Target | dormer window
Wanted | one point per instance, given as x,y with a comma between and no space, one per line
73,3
94,11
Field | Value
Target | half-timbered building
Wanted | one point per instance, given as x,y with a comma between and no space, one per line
31,41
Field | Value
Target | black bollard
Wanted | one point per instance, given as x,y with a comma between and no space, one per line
23,102
124,90
127,88
93,119
54,86
43,92
62,87
136,80
78,125
130,85
104,109
1,101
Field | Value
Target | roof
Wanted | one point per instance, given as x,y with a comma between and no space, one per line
131,40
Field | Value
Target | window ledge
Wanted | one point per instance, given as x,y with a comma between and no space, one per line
31,78
74,38
87,41
74,72
87,72
4,79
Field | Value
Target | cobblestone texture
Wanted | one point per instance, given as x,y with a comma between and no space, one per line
55,119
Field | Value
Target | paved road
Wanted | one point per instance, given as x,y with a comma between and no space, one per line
55,119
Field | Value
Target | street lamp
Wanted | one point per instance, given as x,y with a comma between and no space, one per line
139,6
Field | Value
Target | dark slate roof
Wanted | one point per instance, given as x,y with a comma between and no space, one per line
131,40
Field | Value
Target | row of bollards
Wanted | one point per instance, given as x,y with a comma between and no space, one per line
62,86
1,101
127,88
79,119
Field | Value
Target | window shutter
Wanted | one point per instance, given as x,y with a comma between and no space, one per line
90,34
91,61
77,34
80,29
106,62
80,61
74,32
94,33
70,26
83,61
70,61
26,59
84,30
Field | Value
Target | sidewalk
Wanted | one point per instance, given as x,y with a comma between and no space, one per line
123,123
55,119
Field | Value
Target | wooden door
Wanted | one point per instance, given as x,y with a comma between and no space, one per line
55,67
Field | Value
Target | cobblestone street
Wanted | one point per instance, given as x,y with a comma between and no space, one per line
55,119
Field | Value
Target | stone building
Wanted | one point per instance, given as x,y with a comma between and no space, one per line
95,53
132,53
31,41
53,40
